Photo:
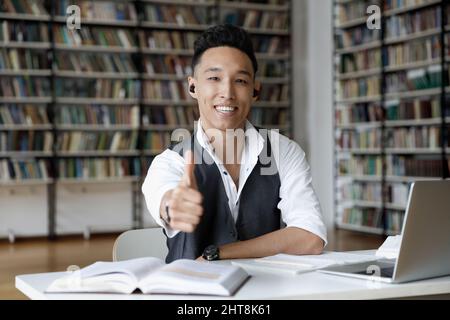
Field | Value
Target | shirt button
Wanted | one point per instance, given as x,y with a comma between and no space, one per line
225,173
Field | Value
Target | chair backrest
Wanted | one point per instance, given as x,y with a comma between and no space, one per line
140,243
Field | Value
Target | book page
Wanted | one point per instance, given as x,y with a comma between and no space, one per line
189,276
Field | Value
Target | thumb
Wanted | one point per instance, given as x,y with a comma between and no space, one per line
188,175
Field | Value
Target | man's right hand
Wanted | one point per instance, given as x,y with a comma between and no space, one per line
185,201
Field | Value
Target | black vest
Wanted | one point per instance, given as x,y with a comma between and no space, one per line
258,213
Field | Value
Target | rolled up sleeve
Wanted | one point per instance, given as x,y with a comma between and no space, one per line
164,174
299,204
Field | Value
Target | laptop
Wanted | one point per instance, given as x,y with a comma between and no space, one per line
425,245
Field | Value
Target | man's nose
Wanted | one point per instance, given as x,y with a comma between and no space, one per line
227,90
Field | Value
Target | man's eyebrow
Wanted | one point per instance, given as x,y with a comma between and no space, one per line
217,69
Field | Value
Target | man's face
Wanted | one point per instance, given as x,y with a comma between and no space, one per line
224,86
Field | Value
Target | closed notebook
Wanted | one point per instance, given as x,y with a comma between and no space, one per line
152,275
296,264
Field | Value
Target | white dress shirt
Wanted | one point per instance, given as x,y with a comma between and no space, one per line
299,205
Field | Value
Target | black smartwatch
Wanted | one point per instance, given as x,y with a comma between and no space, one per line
211,253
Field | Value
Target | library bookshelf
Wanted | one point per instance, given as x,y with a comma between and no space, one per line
96,105
391,108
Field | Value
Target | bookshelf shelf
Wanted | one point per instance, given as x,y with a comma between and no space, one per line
352,227
254,6
396,11
26,182
95,48
98,153
414,36
25,44
121,23
112,180
173,26
399,116
26,72
95,127
62,100
25,154
23,16
27,100
111,45
17,127
96,75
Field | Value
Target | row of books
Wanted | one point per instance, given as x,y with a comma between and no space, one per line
359,112
181,66
424,49
419,108
397,193
414,137
364,139
23,114
177,115
360,191
12,169
266,116
98,168
21,59
33,7
413,22
394,221
99,10
256,19
162,39
417,79
24,86
351,10
98,88
360,165
175,14
100,36
359,61
366,217
92,141
26,141
172,90
398,4
362,87
157,141
23,32
355,36
94,62
417,166
98,115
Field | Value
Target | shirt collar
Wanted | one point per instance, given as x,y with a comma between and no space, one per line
254,141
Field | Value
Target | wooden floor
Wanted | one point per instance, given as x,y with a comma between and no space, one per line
41,255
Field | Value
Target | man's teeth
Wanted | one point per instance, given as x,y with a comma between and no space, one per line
225,108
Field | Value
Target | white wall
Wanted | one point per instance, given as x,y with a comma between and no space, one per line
312,64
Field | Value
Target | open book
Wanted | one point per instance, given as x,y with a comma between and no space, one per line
296,264
152,275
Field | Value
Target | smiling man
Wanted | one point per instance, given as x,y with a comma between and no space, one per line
238,193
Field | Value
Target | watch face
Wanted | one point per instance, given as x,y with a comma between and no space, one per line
211,253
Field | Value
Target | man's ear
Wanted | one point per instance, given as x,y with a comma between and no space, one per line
256,90
192,91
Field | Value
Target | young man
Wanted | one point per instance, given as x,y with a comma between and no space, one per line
244,204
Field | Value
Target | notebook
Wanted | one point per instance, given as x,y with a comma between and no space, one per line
295,264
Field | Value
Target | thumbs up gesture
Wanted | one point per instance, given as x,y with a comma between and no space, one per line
184,203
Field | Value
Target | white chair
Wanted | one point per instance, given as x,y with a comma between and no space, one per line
140,243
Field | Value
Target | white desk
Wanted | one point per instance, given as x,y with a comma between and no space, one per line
264,285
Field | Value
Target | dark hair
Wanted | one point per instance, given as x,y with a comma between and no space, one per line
224,35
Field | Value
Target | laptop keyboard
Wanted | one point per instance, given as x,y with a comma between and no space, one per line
387,272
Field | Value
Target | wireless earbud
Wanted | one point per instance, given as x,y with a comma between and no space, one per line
192,88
